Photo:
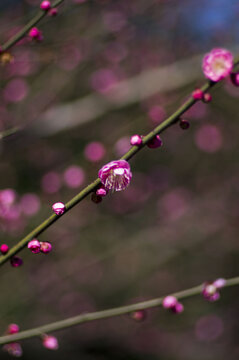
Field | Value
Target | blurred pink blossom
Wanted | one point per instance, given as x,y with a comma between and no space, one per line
74,176
209,138
16,90
94,151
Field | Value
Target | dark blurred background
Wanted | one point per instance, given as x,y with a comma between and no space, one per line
106,70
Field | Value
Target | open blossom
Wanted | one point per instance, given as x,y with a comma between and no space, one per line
115,175
217,64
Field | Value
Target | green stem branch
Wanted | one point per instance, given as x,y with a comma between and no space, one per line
99,315
40,15
171,120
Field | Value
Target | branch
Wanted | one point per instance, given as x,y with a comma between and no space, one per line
40,15
171,120
79,319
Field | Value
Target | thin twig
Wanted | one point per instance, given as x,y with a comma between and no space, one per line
99,315
40,15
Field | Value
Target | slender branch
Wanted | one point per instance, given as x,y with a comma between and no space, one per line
99,315
40,15
171,120
9,132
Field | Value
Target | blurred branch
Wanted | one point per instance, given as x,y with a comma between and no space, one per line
174,118
83,318
122,94
40,15
9,132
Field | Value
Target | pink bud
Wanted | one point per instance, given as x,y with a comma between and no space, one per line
4,249
34,246
155,142
34,33
235,78
59,208
96,198
136,140
169,302
197,94
12,329
45,5
53,12
101,192
46,247
210,292
184,124
219,283
50,342
138,315
16,261
178,308
207,98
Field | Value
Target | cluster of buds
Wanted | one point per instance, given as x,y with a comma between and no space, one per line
46,6
48,341
198,94
171,303
13,348
210,290
36,246
137,140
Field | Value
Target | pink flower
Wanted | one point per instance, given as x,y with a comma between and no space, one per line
50,342
14,348
115,175
217,64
